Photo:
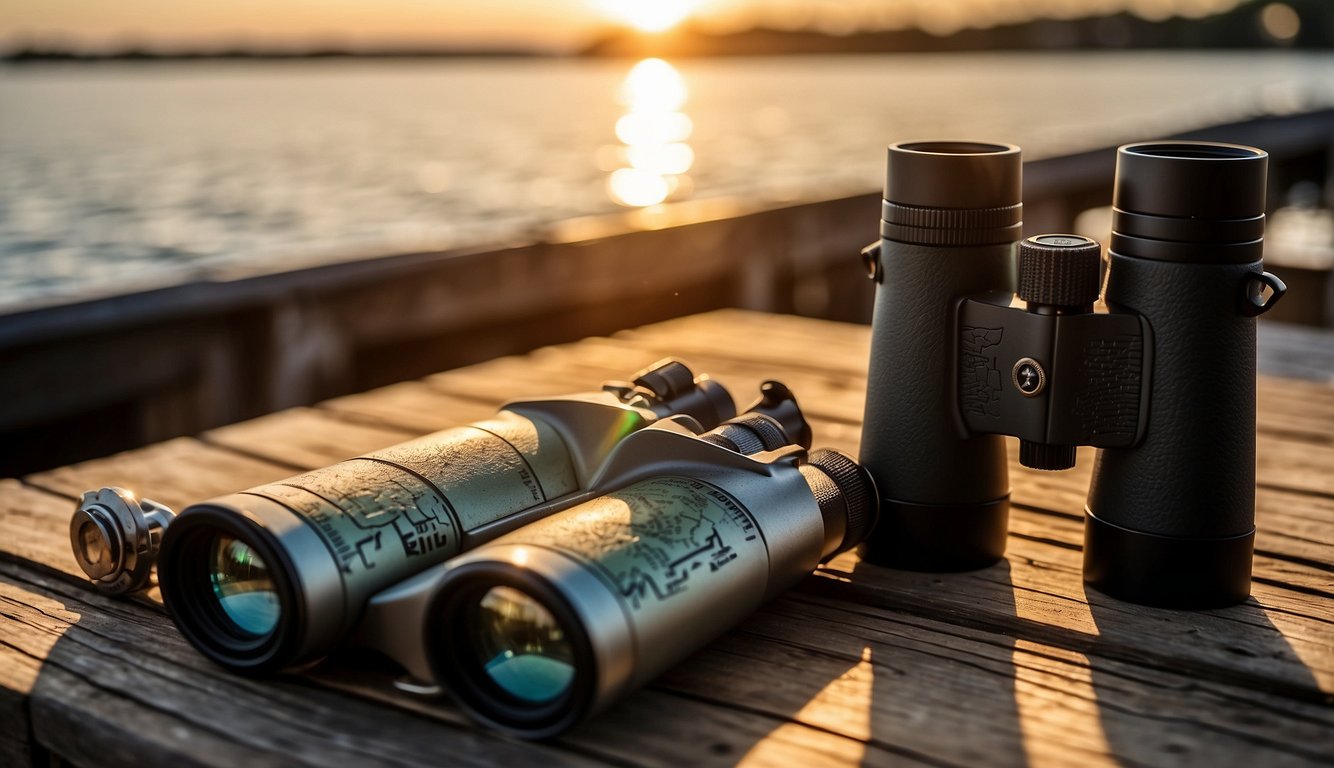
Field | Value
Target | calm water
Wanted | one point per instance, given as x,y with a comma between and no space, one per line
117,177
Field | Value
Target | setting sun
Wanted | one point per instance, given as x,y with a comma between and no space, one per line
649,15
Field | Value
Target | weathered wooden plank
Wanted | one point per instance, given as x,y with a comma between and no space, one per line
658,726
31,527
549,371
1074,676
1062,492
120,671
305,438
20,667
829,395
1294,587
176,473
1297,409
1043,549
849,683
1290,465
118,686
888,685
748,337
888,674
411,406
1038,593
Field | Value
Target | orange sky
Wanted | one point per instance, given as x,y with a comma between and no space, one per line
547,23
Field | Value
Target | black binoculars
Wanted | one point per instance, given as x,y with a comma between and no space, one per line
1163,383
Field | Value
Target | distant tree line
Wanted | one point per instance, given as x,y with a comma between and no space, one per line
1242,27
38,52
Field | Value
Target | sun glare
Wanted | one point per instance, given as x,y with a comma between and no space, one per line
649,15
653,133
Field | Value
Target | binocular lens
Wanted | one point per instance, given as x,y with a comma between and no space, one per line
242,586
522,647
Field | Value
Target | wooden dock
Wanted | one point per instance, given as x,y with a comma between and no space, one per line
1012,665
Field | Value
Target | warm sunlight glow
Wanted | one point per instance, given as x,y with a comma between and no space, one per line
666,159
633,187
653,127
653,131
1307,649
652,85
835,724
1057,704
650,15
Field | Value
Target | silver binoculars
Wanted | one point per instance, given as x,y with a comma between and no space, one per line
538,565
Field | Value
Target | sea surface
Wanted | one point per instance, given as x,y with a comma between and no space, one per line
117,177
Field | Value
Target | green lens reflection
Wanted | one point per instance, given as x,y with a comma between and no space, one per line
522,647
243,587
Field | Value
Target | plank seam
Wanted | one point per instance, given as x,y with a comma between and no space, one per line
1146,681
368,420
1088,646
893,749
1295,490
30,483
208,440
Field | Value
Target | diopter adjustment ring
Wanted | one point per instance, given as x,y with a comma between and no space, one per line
750,433
856,491
1059,270
950,226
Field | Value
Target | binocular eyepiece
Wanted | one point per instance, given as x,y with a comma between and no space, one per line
952,193
1163,384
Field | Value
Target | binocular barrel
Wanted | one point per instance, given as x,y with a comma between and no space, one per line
275,575
951,215
1170,521
537,630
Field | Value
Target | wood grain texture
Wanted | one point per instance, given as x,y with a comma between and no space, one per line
304,438
1011,665
118,686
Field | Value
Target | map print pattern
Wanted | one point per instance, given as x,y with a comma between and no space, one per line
655,539
391,514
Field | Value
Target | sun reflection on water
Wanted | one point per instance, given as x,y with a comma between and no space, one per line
654,156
